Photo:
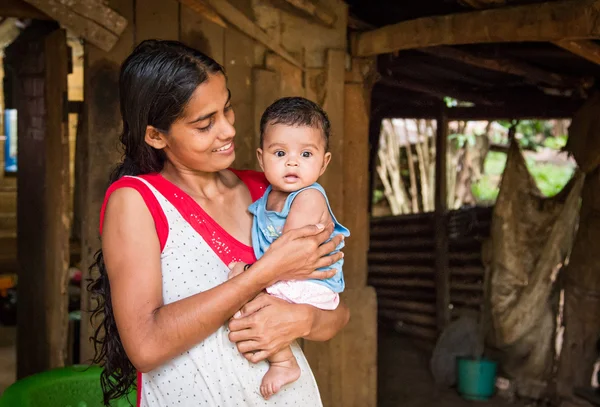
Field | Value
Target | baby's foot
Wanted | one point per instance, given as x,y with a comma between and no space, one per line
278,375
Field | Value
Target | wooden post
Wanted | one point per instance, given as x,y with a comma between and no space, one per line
333,179
346,366
239,50
39,57
99,154
442,279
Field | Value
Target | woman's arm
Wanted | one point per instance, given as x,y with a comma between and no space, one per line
152,332
268,324
326,324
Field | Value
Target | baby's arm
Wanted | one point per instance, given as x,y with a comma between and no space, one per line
309,208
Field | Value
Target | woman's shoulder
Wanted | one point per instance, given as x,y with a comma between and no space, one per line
251,175
129,190
255,181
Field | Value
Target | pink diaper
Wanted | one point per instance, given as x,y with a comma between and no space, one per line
305,292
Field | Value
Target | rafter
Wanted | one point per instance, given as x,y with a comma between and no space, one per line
20,9
316,11
239,20
585,49
88,19
205,10
510,66
550,22
437,90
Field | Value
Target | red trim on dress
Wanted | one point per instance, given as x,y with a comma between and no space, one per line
160,220
216,237
228,248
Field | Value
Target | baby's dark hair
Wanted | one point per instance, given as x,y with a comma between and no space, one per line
296,111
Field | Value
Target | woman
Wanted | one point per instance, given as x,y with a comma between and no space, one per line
174,218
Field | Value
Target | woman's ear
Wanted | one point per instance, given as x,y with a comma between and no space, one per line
326,160
155,138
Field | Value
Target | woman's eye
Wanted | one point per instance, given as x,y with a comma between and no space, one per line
306,154
279,153
208,127
228,108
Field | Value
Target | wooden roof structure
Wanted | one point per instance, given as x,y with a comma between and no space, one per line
498,58
504,58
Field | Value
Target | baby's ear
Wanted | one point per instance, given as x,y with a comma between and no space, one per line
259,156
326,161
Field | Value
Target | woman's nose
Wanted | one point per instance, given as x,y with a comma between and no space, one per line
227,129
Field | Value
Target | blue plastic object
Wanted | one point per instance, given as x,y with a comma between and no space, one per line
476,378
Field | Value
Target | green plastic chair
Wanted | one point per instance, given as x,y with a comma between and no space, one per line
73,386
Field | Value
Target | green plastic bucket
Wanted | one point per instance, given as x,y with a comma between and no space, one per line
476,378
73,386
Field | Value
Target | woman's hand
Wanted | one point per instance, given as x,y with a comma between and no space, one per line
266,325
298,253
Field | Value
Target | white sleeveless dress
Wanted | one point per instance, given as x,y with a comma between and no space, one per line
195,254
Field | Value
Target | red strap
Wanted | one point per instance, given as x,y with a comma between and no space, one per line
160,220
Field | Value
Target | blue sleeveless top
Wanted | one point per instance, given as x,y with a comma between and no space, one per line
268,226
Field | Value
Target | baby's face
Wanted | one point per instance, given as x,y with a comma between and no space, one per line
293,157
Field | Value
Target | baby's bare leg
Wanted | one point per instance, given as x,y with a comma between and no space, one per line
283,370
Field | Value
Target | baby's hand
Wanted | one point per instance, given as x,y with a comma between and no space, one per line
236,269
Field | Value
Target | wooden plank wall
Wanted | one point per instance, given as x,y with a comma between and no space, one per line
402,268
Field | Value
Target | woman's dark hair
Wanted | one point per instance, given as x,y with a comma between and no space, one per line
156,82
296,111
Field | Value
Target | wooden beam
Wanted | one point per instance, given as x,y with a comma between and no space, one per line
552,108
319,13
98,12
205,10
440,91
248,27
21,9
585,49
552,21
80,26
509,66
442,277
8,31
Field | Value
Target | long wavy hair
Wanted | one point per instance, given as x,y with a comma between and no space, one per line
155,85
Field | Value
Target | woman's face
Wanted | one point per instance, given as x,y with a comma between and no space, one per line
202,138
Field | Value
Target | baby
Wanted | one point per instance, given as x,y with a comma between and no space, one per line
293,153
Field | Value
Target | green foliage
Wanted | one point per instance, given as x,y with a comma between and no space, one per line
550,178
530,133
378,196
462,139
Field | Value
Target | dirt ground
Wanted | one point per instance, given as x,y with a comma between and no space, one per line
8,357
404,379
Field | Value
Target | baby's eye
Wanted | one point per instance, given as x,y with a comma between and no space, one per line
306,154
279,153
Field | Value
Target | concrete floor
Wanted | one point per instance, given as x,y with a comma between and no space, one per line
8,357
